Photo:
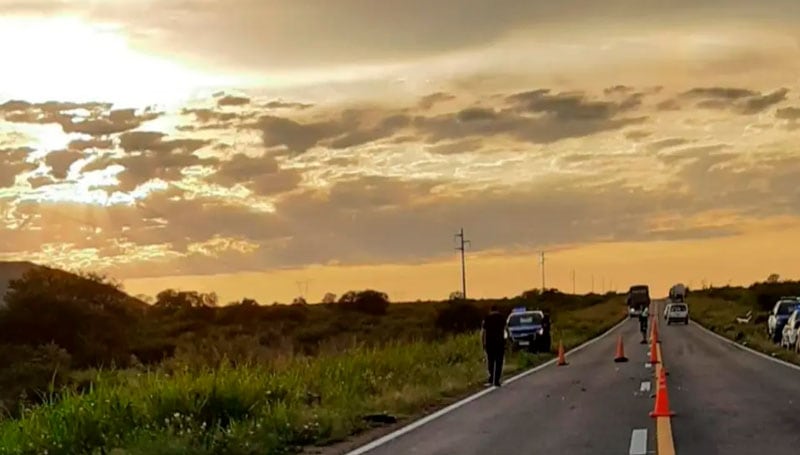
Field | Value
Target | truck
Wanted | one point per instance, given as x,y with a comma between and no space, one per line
638,298
528,329
677,293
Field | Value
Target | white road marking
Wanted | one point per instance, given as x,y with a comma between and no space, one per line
647,365
638,442
645,387
418,423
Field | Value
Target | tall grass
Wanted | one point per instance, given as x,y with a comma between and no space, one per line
262,408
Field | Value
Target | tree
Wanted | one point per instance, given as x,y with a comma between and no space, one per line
86,315
299,301
531,294
170,299
368,301
773,278
456,296
329,298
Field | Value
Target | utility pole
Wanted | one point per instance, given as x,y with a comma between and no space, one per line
592,284
461,247
604,285
542,264
573,281
302,288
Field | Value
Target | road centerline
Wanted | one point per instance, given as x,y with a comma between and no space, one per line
638,442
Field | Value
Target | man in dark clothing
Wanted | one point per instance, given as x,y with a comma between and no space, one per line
644,314
494,343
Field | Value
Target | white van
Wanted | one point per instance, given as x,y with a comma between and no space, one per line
676,312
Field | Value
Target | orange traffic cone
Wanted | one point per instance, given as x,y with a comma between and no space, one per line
620,356
661,408
562,360
653,353
654,332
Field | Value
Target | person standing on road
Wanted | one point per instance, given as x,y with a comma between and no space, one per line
494,344
643,317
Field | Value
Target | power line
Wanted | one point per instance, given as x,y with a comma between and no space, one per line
461,247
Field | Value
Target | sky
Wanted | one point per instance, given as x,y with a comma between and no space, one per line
272,148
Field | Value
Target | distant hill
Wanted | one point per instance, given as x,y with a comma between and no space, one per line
12,270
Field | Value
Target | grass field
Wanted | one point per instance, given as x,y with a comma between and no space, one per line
719,315
271,407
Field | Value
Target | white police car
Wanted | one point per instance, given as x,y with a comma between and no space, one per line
528,329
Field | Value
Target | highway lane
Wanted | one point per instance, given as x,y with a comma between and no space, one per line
590,406
727,400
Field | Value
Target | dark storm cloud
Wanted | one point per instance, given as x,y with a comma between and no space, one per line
428,101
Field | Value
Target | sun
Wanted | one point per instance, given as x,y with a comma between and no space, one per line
69,59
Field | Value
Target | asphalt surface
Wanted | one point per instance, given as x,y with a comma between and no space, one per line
590,406
727,400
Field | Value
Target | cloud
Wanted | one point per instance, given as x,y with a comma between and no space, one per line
82,144
60,162
149,156
561,116
262,175
788,113
94,119
230,100
428,101
743,101
12,163
637,135
667,143
278,104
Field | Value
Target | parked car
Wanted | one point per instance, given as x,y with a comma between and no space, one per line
779,315
676,312
528,330
789,332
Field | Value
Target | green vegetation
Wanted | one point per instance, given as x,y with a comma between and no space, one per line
185,376
718,308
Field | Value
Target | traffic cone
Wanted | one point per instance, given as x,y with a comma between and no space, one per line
620,356
562,360
653,353
654,332
661,408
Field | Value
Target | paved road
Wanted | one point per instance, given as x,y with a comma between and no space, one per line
728,401
590,406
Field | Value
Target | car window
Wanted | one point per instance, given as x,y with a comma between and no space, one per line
785,308
524,319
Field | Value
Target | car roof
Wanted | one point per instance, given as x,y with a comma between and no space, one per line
539,312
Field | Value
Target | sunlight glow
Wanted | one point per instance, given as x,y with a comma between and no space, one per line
69,59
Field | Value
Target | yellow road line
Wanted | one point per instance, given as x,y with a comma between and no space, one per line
665,444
